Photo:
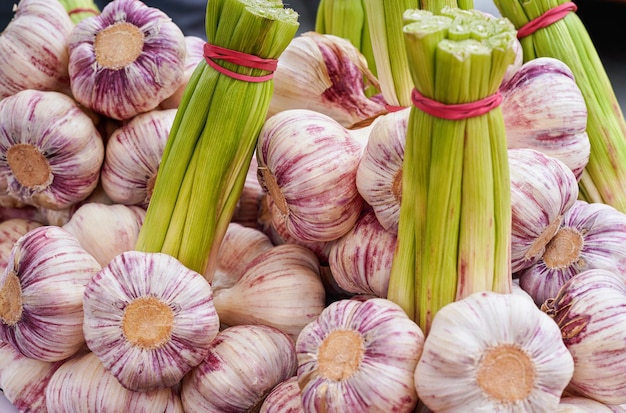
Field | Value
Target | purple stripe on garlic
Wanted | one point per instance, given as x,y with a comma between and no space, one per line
284,398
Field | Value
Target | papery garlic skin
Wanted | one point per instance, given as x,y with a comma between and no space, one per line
281,288
23,380
50,150
149,319
10,231
590,310
359,356
243,365
82,384
195,54
501,354
132,157
591,235
544,109
576,404
542,189
33,48
41,294
360,261
284,398
142,62
307,163
379,176
106,231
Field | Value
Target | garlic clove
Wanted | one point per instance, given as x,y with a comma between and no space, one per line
128,43
82,384
501,353
281,288
10,231
359,356
41,294
243,365
53,151
284,398
149,319
106,231
590,310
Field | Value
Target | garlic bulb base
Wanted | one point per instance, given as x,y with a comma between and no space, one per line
30,167
506,373
147,322
11,300
118,45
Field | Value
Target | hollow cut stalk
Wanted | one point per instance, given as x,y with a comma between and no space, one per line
214,134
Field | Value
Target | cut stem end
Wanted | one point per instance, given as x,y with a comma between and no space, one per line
29,166
118,45
148,322
340,354
11,300
506,373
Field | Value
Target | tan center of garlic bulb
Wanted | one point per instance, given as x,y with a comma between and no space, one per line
340,354
11,300
147,322
30,167
506,373
118,45
564,248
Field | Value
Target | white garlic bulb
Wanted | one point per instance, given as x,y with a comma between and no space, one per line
501,354
359,356
149,319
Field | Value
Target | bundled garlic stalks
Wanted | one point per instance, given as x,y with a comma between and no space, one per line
324,73
33,48
359,356
590,310
41,294
379,176
307,164
51,149
82,384
132,157
544,109
589,236
243,365
281,287
493,352
126,60
543,188
149,319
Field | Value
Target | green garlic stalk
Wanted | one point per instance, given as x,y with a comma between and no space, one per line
80,9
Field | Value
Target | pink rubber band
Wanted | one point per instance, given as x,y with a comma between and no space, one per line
456,111
213,52
83,10
553,15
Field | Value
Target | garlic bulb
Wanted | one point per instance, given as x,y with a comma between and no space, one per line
82,384
307,164
23,380
542,189
360,261
501,354
544,109
243,365
280,287
590,310
126,60
284,398
33,48
10,231
132,157
325,73
591,235
359,356
195,53
149,319
50,150
41,294
106,231
577,404
379,175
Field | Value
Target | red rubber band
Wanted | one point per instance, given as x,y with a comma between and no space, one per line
213,52
83,10
553,15
456,111
393,108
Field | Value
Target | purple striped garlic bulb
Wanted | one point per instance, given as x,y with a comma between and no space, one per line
359,356
493,352
284,398
126,60
543,188
41,294
307,164
544,109
149,319
590,235
33,48
590,310
195,54
50,150
10,231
